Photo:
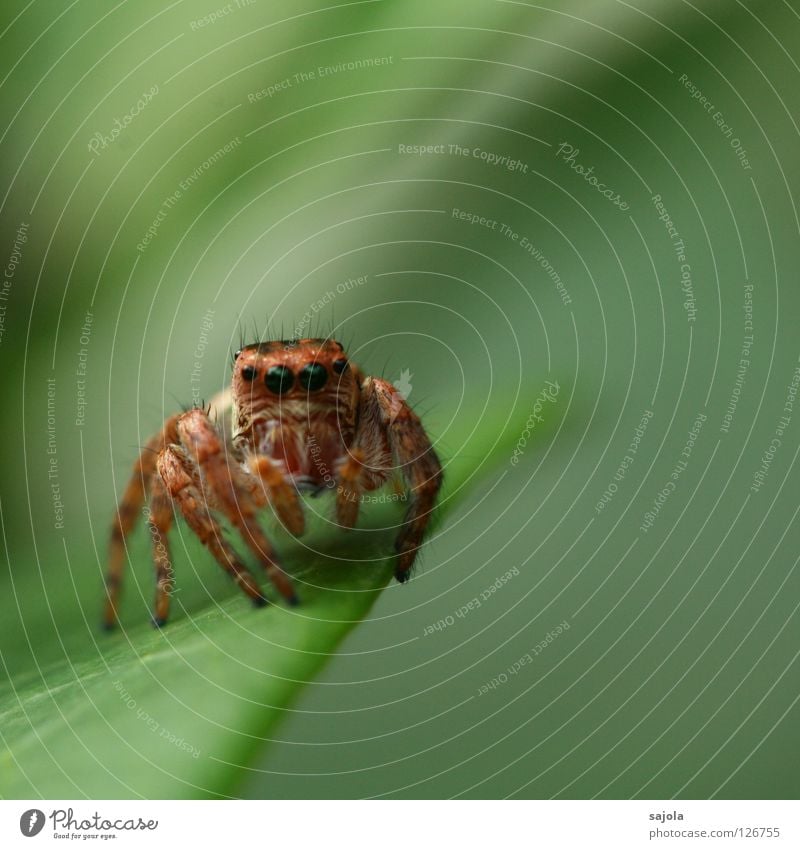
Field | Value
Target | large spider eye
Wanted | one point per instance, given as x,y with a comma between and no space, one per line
279,379
249,372
314,376
339,366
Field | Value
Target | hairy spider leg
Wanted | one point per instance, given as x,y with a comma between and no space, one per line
180,478
230,492
383,410
128,510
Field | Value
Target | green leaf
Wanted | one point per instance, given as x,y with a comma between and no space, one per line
175,713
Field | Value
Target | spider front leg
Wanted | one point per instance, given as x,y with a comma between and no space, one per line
277,491
350,484
182,482
229,492
385,419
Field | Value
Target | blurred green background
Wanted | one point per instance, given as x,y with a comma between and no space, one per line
609,202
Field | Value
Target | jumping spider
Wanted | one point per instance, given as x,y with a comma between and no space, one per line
303,417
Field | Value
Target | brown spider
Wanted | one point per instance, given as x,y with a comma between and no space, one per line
304,418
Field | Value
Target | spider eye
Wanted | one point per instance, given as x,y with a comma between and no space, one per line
314,376
279,379
249,372
339,366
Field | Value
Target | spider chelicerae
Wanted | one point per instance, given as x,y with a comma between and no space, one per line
304,418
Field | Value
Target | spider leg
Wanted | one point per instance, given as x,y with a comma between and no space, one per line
278,492
128,510
230,492
423,472
350,486
160,521
180,480
385,415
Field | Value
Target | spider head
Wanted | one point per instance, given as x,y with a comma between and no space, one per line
293,379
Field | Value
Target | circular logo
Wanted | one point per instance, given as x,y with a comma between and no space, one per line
31,822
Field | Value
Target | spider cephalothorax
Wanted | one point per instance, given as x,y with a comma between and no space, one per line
304,418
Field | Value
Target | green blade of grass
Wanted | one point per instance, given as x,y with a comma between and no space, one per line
175,713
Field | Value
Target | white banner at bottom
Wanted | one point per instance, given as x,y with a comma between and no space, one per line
402,824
